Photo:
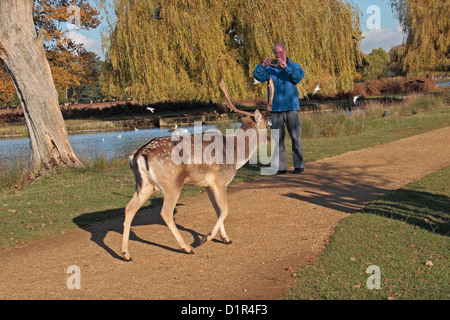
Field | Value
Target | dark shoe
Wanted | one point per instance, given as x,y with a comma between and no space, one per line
281,172
298,170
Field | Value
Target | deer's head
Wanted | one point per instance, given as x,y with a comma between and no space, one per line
254,120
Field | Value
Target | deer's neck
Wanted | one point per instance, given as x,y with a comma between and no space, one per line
246,143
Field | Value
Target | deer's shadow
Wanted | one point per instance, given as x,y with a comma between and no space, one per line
98,227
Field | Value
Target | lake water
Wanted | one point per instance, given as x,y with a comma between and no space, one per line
113,145
443,84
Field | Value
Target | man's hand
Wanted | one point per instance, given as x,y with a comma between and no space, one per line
267,62
281,63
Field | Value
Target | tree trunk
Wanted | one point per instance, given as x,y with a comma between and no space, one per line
23,55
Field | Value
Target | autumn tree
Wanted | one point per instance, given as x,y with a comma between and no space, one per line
87,92
396,55
184,55
427,28
71,65
7,90
22,51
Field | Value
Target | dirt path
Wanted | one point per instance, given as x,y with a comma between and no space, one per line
277,224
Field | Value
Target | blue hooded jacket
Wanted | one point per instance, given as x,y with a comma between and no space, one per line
285,82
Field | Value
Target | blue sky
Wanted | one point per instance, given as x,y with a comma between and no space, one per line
385,35
389,33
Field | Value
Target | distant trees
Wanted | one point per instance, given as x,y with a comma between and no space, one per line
427,27
376,65
91,91
184,55
88,88
72,67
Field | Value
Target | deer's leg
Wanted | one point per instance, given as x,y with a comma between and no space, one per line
223,235
140,196
219,193
170,201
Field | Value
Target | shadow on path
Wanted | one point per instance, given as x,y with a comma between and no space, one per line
328,185
145,216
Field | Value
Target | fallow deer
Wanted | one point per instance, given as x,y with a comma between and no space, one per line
154,170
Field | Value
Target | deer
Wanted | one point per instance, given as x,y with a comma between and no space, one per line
154,170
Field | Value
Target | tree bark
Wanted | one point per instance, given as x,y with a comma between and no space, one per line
23,55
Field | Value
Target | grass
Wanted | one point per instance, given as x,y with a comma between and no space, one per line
374,132
405,234
340,123
65,200
14,175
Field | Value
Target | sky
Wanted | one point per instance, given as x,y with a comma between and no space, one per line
379,26
387,34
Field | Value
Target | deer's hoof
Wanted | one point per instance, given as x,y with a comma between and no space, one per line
188,251
126,256
205,238
227,241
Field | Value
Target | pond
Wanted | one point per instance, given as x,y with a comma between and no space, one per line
112,145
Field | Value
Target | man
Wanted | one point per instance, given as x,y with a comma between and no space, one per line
285,75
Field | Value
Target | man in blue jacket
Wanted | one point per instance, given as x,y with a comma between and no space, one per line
285,75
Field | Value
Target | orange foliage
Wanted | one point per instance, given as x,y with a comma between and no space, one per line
70,63
7,89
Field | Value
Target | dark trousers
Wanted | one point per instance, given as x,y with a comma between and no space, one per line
290,119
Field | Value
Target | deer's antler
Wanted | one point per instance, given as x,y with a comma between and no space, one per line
272,92
271,89
231,106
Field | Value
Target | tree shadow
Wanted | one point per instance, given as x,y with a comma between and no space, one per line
361,192
341,190
423,209
98,227
340,196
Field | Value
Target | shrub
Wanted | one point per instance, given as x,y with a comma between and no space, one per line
391,86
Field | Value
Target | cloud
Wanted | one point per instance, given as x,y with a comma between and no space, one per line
89,44
381,38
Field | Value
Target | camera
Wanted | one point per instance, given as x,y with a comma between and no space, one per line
274,62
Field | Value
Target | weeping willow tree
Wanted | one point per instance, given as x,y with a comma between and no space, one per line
184,55
427,27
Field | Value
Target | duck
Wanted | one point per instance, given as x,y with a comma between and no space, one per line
176,130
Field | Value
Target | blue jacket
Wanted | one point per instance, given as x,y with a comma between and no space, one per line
285,83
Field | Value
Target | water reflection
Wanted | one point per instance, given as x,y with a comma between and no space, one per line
112,145
443,84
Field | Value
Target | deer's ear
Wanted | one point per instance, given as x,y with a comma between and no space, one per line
258,116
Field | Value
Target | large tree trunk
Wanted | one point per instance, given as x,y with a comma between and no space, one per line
23,54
